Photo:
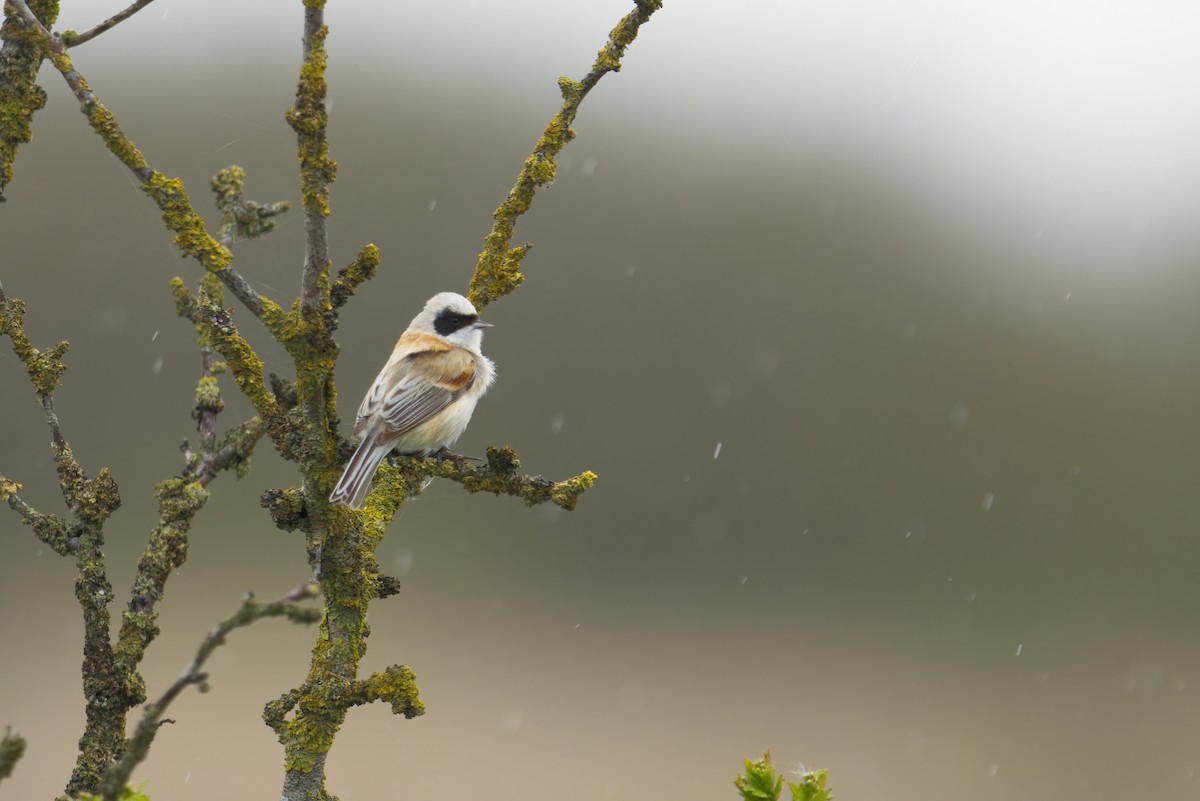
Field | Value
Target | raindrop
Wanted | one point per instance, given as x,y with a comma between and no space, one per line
717,450
153,338
744,579
432,205
1074,470
1144,678
958,414
971,596
588,168
630,269
1019,647
988,500
512,719
403,561
687,477
993,770
556,424
156,368
917,531
720,393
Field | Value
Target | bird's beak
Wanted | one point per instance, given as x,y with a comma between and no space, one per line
482,324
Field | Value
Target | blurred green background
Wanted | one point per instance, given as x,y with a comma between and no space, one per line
877,321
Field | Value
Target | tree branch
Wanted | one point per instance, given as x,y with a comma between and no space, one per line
169,195
12,748
72,39
20,96
309,118
289,606
498,271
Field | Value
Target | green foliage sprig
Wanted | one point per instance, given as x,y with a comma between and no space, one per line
761,782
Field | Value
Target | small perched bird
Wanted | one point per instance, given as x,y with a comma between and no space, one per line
424,396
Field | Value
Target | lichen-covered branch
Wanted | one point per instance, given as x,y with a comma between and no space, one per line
12,748
191,236
244,363
21,52
72,39
299,417
352,275
498,271
309,119
500,475
289,606
242,218
111,682
91,500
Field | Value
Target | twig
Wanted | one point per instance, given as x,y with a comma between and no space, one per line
498,271
117,775
309,119
28,17
169,194
72,39
12,747
62,538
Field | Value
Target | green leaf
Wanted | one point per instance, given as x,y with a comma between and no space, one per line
760,780
811,787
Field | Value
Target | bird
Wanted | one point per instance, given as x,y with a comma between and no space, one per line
423,398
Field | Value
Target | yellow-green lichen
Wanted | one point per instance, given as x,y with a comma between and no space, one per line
362,269
179,499
105,124
20,96
566,493
191,236
8,488
208,395
309,119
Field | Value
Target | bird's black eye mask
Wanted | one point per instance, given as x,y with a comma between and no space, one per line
448,321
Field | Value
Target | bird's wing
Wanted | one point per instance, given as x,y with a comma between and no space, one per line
414,388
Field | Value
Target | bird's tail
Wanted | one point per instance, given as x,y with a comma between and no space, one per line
352,487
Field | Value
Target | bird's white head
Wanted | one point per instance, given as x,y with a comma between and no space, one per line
453,318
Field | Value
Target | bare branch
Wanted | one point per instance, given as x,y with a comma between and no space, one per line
289,606
61,537
72,39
